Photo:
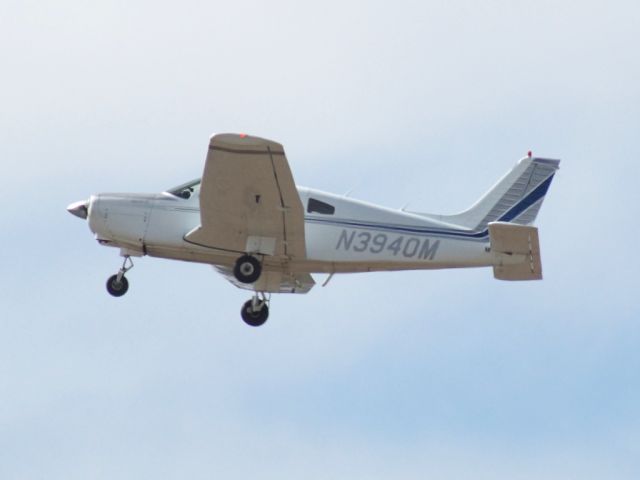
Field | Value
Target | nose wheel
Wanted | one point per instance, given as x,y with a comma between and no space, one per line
255,312
117,285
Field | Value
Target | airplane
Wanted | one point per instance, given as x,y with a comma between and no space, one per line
247,218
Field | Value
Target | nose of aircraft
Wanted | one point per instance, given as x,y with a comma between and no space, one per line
79,209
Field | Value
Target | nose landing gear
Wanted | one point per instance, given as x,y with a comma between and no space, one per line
255,312
117,285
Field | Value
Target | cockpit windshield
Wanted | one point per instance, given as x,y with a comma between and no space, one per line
186,189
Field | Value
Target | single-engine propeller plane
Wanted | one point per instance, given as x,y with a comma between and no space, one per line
247,218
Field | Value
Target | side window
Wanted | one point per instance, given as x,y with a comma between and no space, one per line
316,206
186,189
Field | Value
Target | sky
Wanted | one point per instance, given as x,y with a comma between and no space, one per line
441,374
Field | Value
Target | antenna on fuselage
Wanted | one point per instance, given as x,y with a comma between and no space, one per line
351,190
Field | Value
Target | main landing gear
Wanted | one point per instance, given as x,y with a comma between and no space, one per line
247,269
256,311
117,285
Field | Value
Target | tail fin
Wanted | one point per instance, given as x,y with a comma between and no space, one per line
516,198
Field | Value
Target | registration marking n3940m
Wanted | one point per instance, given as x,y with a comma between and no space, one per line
379,243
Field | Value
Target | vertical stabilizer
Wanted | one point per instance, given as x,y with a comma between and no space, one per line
515,198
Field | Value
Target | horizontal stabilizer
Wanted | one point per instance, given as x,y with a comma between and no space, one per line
516,249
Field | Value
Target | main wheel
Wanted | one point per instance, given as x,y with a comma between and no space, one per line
247,269
254,319
117,288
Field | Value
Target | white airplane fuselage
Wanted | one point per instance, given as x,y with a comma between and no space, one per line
248,219
356,237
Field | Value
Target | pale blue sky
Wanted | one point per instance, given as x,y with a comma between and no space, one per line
443,375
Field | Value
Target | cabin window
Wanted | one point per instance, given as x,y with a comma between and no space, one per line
186,189
316,206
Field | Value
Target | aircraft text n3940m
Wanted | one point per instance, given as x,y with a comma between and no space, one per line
408,247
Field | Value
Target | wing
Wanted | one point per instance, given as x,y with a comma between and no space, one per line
273,281
248,199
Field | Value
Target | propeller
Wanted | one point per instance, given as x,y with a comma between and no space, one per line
79,209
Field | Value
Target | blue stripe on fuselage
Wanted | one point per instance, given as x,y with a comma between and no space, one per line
511,214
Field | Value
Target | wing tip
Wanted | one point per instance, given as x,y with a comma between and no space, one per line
235,140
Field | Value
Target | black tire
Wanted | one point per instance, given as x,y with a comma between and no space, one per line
247,269
117,288
254,319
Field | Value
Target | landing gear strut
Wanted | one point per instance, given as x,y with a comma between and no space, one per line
255,311
247,269
117,285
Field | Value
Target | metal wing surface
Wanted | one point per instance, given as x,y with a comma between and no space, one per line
273,282
248,199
